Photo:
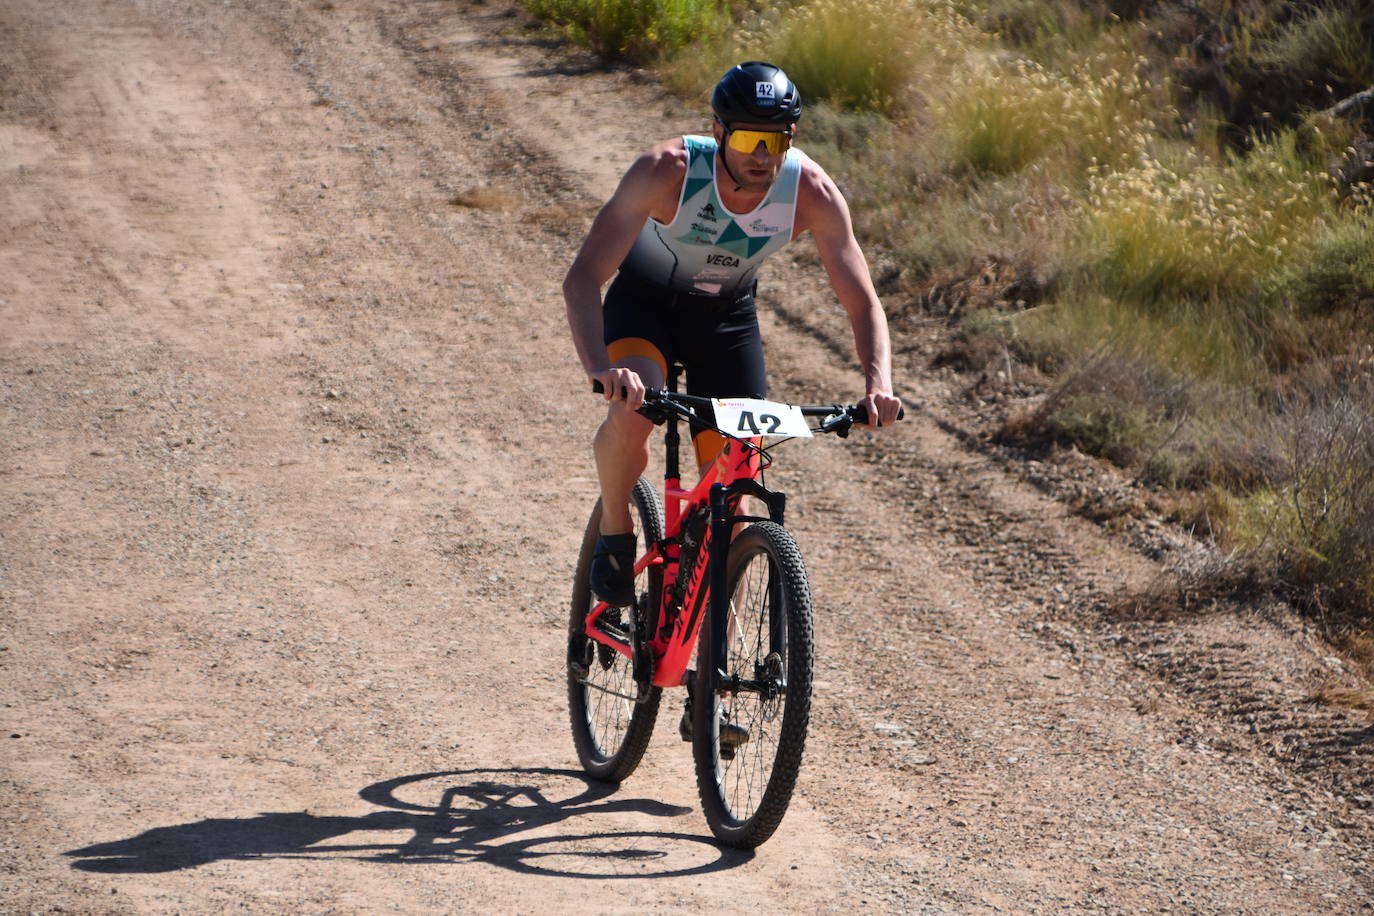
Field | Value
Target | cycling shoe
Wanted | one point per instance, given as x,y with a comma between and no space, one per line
613,569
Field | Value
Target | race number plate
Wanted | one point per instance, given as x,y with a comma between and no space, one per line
745,417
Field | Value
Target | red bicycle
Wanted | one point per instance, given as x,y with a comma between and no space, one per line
749,697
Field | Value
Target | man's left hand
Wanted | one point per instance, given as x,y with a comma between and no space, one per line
882,409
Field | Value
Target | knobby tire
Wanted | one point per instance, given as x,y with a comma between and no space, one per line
611,734
769,632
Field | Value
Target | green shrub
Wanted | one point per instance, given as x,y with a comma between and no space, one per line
1337,270
844,51
864,54
633,29
1263,64
1151,235
1155,234
1315,525
998,117
1328,43
1115,404
1047,29
1104,426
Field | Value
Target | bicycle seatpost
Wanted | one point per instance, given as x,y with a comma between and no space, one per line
672,439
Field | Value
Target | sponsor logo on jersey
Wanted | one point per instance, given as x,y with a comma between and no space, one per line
725,260
759,227
708,230
711,275
708,212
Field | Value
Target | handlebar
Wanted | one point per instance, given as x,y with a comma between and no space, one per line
661,405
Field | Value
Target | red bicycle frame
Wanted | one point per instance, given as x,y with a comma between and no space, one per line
665,650
682,606
680,610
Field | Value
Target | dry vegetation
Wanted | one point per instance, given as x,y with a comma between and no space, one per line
1180,226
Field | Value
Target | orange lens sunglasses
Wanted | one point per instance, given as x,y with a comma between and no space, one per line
776,142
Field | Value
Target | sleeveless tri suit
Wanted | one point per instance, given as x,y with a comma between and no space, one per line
685,292
706,249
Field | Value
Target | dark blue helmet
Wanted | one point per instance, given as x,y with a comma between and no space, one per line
756,92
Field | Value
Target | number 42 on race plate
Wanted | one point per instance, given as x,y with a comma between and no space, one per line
752,417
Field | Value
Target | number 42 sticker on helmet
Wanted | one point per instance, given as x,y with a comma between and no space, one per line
753,417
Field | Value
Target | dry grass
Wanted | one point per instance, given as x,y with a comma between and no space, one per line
1346,697
484,197
1358,645
1154,233
634,30
1001,116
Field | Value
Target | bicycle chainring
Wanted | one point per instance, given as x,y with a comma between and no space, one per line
605,654
643,649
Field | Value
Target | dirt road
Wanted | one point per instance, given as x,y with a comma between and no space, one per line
293,472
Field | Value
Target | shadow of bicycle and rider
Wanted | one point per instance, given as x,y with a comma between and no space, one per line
508,818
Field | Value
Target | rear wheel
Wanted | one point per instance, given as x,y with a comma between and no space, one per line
749,732
612,715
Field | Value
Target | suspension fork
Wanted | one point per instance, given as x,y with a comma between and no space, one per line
720,602
723,521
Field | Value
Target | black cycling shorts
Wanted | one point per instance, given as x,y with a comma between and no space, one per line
715,339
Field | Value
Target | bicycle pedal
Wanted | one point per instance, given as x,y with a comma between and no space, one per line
580,661
731,737
643,675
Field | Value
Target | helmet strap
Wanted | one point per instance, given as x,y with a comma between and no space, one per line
726,165
720,151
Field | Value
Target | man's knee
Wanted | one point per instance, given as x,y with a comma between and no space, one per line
623,429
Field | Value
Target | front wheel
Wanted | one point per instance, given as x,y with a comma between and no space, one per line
749,728
613,715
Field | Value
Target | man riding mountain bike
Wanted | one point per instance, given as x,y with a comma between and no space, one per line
686,230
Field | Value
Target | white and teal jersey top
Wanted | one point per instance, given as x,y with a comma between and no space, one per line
706,249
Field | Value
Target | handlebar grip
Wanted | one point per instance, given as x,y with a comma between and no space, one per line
860,413
598,388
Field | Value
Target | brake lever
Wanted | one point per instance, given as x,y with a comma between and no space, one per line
839,423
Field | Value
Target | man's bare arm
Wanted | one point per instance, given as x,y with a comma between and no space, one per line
826,215
641,194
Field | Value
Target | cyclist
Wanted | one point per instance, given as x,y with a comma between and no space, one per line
686,228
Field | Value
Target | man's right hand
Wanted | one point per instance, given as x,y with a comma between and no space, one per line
621,384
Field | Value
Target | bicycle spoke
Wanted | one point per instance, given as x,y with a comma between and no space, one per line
746,776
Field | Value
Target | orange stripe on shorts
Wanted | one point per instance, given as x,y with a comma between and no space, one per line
636,346
708,444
